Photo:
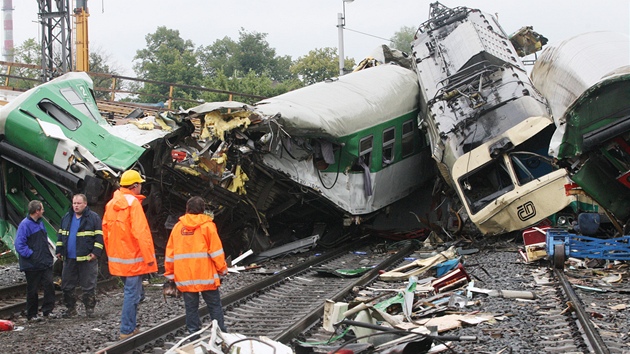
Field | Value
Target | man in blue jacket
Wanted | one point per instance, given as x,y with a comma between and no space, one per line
36,260
79,245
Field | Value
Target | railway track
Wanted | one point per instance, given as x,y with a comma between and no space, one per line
13,298
254,302
279,307
564,318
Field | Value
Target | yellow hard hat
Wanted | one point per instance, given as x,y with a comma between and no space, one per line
130,177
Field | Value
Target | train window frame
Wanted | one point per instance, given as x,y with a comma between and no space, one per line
365,151
407,138
59,114
389,146
480,190
77,102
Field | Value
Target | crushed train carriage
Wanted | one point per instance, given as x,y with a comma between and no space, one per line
295,165
54,142
489,128
586,80
338,152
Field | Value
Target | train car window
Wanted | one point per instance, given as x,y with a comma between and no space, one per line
77,102
407,138
389,137
486,184
365,150
529,166
60,115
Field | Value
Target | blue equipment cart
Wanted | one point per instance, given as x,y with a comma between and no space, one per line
561,244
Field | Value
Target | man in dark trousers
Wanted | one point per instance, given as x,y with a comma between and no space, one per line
36,260
195,260
79,245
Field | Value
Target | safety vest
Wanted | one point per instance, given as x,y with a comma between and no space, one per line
127,236
194,254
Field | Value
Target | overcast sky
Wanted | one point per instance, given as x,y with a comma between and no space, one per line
117,28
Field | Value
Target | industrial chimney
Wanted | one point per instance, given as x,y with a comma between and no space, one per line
7,14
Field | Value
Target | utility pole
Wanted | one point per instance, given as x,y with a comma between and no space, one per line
341,23
54,17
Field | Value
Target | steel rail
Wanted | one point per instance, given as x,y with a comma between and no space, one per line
594,339
7,311
150,335
312,317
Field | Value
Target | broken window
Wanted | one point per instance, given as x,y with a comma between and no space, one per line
77,102
486,184
529,166
407,138
59,114
365,150
389,137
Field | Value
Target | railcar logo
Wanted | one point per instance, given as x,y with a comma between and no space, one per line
526,211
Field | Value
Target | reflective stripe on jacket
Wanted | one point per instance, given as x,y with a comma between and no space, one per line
89,235
127,236
194,254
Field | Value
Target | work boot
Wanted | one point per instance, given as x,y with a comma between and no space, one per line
89,311
69,313
124,336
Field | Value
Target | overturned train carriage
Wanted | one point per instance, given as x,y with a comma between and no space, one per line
489,128
586,80
54,142
312,160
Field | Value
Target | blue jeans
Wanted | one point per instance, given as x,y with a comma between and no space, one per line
215,310
133,292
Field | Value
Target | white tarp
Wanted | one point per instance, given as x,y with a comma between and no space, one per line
346,105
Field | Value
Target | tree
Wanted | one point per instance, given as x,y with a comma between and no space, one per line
251,53
29,52
402,39
100,63
167,58
250,83
318,65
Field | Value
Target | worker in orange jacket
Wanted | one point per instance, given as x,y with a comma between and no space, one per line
194,260
129,245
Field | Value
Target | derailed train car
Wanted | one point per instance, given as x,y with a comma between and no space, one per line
330,154
489,128
310,162
54,142
586,80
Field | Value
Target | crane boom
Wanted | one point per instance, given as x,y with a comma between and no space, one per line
81,15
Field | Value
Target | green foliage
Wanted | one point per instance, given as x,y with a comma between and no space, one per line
29,52
250,83
100,63
251,53
402,39
320,64
167,58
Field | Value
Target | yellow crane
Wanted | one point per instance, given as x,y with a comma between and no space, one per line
81,15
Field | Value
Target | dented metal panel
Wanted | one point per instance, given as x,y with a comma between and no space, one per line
563,72
510,192
489,128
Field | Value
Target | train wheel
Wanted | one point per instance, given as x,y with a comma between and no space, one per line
558,256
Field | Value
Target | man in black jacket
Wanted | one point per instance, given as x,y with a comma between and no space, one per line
36,260
79,245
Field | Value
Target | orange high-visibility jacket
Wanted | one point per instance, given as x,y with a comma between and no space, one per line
127,236
194,254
